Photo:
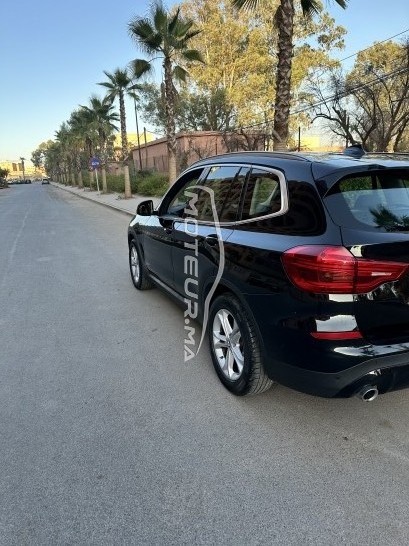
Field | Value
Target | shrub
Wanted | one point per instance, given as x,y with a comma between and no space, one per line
152,185
116,183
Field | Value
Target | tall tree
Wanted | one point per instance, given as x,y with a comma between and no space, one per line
195,110
79,132
101,116
369,104
63,136
119,84
284,21
165,35
85,139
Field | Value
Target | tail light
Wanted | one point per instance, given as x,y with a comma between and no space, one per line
334,270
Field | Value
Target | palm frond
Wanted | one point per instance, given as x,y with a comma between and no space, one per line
159,16
249,5
342,3
310,7
192,55
174,22
140,67
180,73
191,34
145,36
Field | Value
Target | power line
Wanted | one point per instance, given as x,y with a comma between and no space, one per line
377,80
365,49
324,100
369,47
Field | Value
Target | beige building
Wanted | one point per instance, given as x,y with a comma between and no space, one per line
198,145
190,148
15,168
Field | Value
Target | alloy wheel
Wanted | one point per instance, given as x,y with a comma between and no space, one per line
135,265
228,344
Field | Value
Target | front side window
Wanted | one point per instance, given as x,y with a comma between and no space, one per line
225,183
218,195
179,202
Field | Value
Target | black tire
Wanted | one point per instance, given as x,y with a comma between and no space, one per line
246,375
139,273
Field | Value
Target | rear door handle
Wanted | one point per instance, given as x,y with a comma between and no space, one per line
212,240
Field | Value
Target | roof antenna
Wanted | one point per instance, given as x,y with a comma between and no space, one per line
355,150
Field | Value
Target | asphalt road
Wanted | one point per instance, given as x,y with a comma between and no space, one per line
108,437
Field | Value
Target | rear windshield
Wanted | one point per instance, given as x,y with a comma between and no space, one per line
376,200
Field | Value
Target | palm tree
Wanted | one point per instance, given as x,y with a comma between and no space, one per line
284,20
85,134
78,129
166,36
66,156
53,161
101,116
119,84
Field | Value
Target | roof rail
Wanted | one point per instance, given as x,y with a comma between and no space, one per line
388,153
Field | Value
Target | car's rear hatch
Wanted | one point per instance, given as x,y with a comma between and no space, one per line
372,209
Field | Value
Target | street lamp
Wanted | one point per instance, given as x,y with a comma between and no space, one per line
22,163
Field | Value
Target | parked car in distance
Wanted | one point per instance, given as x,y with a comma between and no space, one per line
45,181
297,264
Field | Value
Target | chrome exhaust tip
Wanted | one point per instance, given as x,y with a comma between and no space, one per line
368,393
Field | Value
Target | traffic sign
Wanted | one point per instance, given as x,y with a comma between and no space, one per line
95,162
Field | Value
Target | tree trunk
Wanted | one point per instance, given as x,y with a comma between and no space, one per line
170,120
285,23
104,180
124,140
128,192
73,178
80,182
91,176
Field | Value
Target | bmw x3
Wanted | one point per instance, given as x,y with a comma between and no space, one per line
300,267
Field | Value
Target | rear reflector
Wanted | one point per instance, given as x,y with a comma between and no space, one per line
334,270
337,335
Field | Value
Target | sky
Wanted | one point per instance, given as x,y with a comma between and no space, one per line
52,54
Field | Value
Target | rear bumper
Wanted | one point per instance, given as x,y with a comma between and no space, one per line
294,358
388,373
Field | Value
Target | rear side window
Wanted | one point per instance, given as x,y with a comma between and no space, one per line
377,200
263,195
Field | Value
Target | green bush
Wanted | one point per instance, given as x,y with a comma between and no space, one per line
115,183
152,185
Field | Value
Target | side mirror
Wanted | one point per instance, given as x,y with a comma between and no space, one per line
145,208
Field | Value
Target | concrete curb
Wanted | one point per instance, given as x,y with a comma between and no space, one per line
130,210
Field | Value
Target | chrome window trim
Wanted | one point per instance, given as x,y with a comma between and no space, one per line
283,191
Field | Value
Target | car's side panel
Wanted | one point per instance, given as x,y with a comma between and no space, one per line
156,240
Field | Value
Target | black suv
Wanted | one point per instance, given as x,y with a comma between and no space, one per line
297,266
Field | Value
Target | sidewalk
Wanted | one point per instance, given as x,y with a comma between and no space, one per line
113,200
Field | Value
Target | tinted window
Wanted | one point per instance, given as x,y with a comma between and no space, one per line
180,200
305,215
377,200
225,183
263,194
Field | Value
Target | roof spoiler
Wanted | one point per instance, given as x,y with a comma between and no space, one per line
355,150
